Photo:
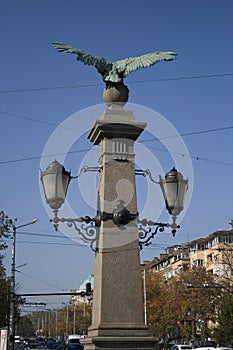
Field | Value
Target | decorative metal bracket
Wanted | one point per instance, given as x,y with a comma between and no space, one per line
87,228
148,229
145,173
120,217
85,169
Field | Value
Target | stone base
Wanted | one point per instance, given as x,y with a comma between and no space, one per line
115,343
113,337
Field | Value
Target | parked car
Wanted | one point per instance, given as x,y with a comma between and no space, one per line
73,338
75,346
51,344
206,348
33,344
181,347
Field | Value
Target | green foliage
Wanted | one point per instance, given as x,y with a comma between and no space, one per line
5,225
25,326
224,332
71,319
4,301
179,312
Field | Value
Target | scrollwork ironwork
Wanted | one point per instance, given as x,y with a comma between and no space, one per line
87,229
148,229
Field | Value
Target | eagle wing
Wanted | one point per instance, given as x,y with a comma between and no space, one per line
128,65
100,63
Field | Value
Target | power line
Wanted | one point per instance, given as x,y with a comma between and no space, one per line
39,157
53,243
197,158
142,141
206,76
183,78
152,139
190,133
51,88
33,234
39,280
28,118
43,235
37,120
46,235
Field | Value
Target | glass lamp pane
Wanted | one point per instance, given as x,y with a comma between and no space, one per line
171,190
49,181
174,188
183,187
55,180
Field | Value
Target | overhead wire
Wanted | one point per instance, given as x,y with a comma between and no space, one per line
37,120
131,82
147,140
192,157
142,141
205,76
45,156
39,280
49,235
35,234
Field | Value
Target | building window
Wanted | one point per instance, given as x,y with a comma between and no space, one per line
217,257
198,262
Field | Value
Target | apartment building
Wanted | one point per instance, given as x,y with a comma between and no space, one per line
208,252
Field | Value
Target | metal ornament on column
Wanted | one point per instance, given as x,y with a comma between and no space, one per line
55,180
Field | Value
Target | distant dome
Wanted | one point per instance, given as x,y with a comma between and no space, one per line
89,279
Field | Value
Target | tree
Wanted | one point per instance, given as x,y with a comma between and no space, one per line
163,307
25,327
200,301
224,331
5,225
183,307
4,297
224,266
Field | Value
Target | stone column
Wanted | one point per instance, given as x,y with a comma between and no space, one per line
118,319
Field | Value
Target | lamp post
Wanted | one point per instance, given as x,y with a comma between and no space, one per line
144,292
116,233
11,338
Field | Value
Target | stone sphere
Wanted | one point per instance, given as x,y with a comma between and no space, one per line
116,94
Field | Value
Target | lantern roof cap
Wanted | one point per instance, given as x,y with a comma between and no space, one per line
55,165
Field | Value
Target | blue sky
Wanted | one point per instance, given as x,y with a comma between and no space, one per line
41,88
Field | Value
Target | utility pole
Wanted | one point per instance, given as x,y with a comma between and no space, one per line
144,292
11,338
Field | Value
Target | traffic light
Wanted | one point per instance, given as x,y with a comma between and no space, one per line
88,289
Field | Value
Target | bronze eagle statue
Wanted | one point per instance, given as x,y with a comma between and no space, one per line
115,72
